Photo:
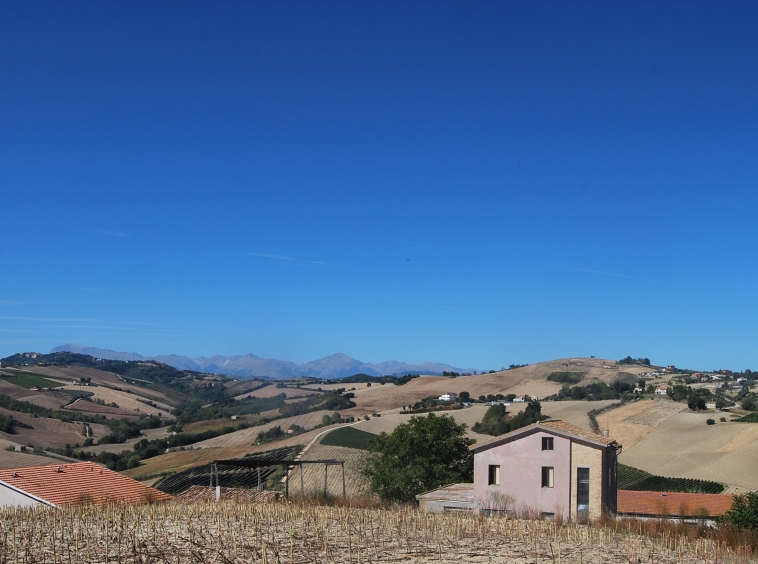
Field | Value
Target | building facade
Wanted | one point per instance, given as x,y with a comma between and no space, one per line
550,468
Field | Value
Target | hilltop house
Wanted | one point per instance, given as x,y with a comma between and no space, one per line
57,485
662,390
551,468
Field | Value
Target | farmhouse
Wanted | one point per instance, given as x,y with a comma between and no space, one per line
550,468
447,397
662,390
57,485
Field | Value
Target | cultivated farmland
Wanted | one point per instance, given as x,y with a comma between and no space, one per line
666,439
122,399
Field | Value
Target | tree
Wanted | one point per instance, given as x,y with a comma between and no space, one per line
464,397
744,511
423,454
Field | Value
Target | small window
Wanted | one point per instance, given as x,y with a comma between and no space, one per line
494,478
547,476
547,443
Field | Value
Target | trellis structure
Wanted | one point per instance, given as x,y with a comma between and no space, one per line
287,464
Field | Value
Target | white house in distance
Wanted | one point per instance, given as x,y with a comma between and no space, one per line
662,390
447,397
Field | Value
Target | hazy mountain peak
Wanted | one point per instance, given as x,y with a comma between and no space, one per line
337,365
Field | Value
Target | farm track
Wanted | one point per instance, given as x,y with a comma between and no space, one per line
236,533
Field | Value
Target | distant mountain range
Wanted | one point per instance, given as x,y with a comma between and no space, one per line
250,366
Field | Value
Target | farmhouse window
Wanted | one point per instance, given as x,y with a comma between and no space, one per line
547,443
494,477
547,476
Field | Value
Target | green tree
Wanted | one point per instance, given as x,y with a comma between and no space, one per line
423,454
744,511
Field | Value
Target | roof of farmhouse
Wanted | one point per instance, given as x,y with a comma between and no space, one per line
553,426
673,503
81,482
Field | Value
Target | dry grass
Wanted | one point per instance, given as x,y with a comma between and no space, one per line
288,533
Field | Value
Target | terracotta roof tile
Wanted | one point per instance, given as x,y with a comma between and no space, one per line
559,425
554,424
672,503
82,482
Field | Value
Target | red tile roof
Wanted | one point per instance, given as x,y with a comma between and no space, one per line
546,425
82,482
673,503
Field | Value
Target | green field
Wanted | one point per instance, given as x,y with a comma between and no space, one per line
349,437
28,380
630,478
752,418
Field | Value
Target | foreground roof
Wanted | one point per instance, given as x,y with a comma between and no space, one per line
81,482
672,503
453,492
555,426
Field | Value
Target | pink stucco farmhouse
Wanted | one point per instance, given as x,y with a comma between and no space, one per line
550,468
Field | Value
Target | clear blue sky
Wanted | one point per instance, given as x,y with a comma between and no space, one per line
478,183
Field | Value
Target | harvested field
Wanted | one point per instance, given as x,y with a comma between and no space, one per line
574,412
184,459
248,436
237,533
149,434
122,399
20,459
313,474
106,410
531,380
631,422
46,432
469,416
272,391
72,374
683,446
48,399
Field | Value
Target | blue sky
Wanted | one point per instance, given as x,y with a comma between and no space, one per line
478,183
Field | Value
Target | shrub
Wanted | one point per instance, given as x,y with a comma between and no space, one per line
744,512
710,421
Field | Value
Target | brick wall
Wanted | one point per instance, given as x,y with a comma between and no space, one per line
592,458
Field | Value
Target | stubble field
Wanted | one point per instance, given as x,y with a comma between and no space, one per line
288,533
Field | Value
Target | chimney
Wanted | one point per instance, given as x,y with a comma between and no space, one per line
606,433
15,474
58,469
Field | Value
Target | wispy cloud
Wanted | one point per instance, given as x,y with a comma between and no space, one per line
11,302
76,320
285,260
263,255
